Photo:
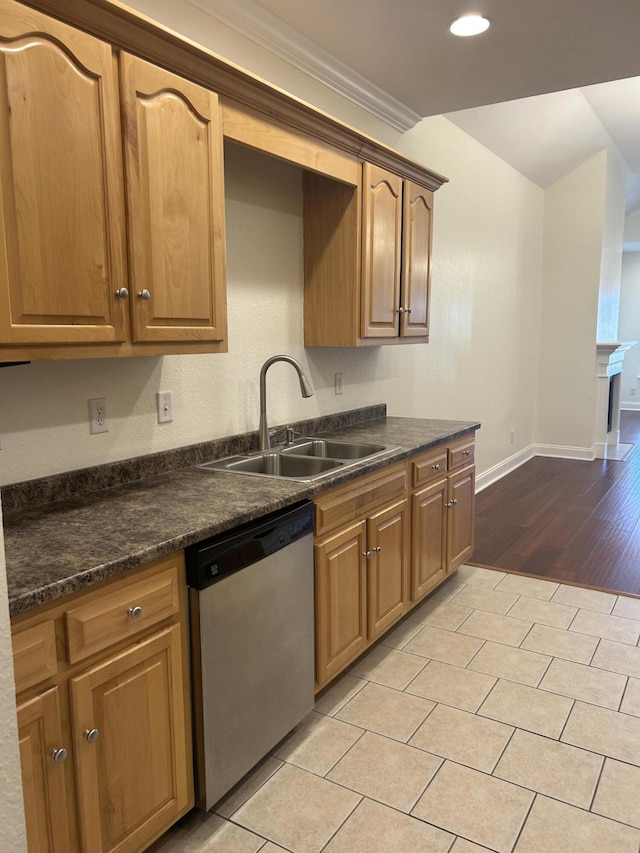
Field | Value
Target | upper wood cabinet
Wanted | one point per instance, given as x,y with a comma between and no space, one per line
367,260
175,201
77,277
62,253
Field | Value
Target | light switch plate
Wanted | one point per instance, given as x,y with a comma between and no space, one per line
164,402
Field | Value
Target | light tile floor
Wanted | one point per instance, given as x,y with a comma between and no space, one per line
501,714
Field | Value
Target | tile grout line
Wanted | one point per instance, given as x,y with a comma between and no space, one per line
597,785
524,822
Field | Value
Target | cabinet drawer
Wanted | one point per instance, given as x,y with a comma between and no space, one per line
429,466
34,655
461,454
107,618
345,503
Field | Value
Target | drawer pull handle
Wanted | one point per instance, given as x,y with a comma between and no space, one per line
436,467
91,735
135,612
466,453
59,755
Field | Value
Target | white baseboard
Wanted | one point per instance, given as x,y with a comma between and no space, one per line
630,407
557,451
492,475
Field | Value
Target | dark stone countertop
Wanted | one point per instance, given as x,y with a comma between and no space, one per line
63,546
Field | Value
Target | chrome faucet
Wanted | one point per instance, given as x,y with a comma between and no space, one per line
305,388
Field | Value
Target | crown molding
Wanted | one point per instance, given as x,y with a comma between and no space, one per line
254,22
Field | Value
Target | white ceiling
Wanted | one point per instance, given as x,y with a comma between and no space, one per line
399,60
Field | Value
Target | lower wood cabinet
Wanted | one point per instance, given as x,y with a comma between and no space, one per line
43,780
341,600
385,541
443,524
105,743
362,567
387,557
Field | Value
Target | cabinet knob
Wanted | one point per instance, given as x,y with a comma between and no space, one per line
449,504
122,292
366,554
400,310
377,549
407,310
59,755
436,467
91,735
144,294
466,453
135,612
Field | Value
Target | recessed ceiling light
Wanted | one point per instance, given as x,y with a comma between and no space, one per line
470,25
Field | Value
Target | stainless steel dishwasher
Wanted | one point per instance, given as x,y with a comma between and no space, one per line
252,642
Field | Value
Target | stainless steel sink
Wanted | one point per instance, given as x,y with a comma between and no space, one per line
273,464
306,459
333,449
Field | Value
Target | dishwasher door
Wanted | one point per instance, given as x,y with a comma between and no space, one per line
253,649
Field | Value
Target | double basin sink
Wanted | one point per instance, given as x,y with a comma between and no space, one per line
305,459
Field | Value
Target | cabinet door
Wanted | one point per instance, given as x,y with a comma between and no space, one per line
341,577
416,260
61,196
461,517
133,780
387,566
175,199
43,784
382,245
429,539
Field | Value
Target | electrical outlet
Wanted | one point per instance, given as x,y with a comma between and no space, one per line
164,404
98,420
338,383
632,392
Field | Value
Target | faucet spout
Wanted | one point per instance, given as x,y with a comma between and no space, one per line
305,389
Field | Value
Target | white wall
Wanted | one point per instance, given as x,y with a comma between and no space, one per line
573,230
611,261
632,227
483,351
629,329
11,806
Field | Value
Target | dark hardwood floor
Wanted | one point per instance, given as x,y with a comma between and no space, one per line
567,520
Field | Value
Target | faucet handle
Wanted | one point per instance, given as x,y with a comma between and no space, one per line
289,434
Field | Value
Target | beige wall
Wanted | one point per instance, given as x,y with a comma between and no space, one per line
573,229
11,809
482,358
